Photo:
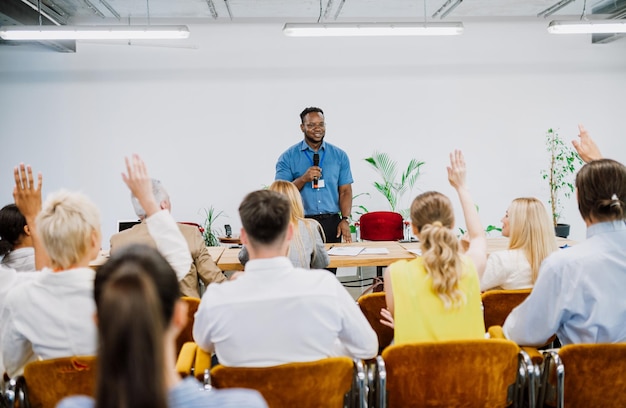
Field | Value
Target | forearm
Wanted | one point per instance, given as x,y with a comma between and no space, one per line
42,259
345,200
300,182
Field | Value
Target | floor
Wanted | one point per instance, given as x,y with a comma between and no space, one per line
353,282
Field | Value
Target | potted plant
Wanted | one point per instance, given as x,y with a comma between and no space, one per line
563,166
211,233
390,187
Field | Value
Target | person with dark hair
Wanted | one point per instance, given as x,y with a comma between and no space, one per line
139,315
275,313
16,245
321,171
436,296
579,292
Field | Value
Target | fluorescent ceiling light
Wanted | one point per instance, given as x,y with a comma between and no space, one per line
118,32
370,29
587,27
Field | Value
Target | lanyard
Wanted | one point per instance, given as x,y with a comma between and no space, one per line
308,154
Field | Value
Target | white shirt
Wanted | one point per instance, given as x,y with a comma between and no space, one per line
9,279
21,259
508,269
579,294
276,314
49,317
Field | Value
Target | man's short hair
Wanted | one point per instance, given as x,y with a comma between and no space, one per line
160,194
265,216
65,224
306,111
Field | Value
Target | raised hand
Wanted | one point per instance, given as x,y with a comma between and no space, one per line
26,194
140,184
457,170
585,146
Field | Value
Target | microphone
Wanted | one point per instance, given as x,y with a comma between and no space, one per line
316,162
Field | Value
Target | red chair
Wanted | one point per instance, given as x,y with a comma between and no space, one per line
381,226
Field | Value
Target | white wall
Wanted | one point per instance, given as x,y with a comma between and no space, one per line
211,121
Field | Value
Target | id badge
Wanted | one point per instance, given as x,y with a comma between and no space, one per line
320,184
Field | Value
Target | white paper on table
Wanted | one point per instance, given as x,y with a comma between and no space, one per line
417,252
345,250
375,251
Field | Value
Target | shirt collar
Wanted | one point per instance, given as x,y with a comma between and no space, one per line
268,264
602,227
305,146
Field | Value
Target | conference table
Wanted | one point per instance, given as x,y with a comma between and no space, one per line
391,251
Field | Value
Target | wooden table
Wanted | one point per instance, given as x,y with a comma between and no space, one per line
228,261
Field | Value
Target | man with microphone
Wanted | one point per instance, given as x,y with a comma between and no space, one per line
321,172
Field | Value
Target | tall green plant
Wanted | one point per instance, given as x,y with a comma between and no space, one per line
390,187
560,174
211,232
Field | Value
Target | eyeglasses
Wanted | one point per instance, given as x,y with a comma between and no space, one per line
314,125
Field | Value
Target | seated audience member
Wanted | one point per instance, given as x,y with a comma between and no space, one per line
531,239
275,313
202,267
579,293
52,315
139,316
28,210
307,248
436,296
16,244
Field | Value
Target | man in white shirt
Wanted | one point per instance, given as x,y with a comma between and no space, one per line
275,313
52,315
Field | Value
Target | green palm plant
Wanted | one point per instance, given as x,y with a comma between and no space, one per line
390,187
211,233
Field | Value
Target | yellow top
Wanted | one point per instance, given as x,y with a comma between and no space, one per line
419,313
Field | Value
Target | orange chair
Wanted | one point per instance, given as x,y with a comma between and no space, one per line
370,305
497,304
321,383
467,373
584,375
185,334
45,383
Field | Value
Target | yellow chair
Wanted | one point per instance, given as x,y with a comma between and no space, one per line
45,383
585,375
192,360
370,305
497,304
467,373
185,334
321,383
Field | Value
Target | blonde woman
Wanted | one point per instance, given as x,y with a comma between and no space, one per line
531,232
307,247
436,296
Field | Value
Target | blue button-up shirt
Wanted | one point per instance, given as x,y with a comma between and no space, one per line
296,160
579,294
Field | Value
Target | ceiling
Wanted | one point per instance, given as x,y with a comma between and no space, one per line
82,12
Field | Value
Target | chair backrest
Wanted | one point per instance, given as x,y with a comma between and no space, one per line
322,383
468,373
47,382
185,334
381,226
586,375
370,305
497,304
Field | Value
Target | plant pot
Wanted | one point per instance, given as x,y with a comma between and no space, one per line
561,230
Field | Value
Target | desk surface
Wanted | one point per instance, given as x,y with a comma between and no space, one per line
228,261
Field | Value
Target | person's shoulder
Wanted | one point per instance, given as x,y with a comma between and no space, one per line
77,401
188,394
